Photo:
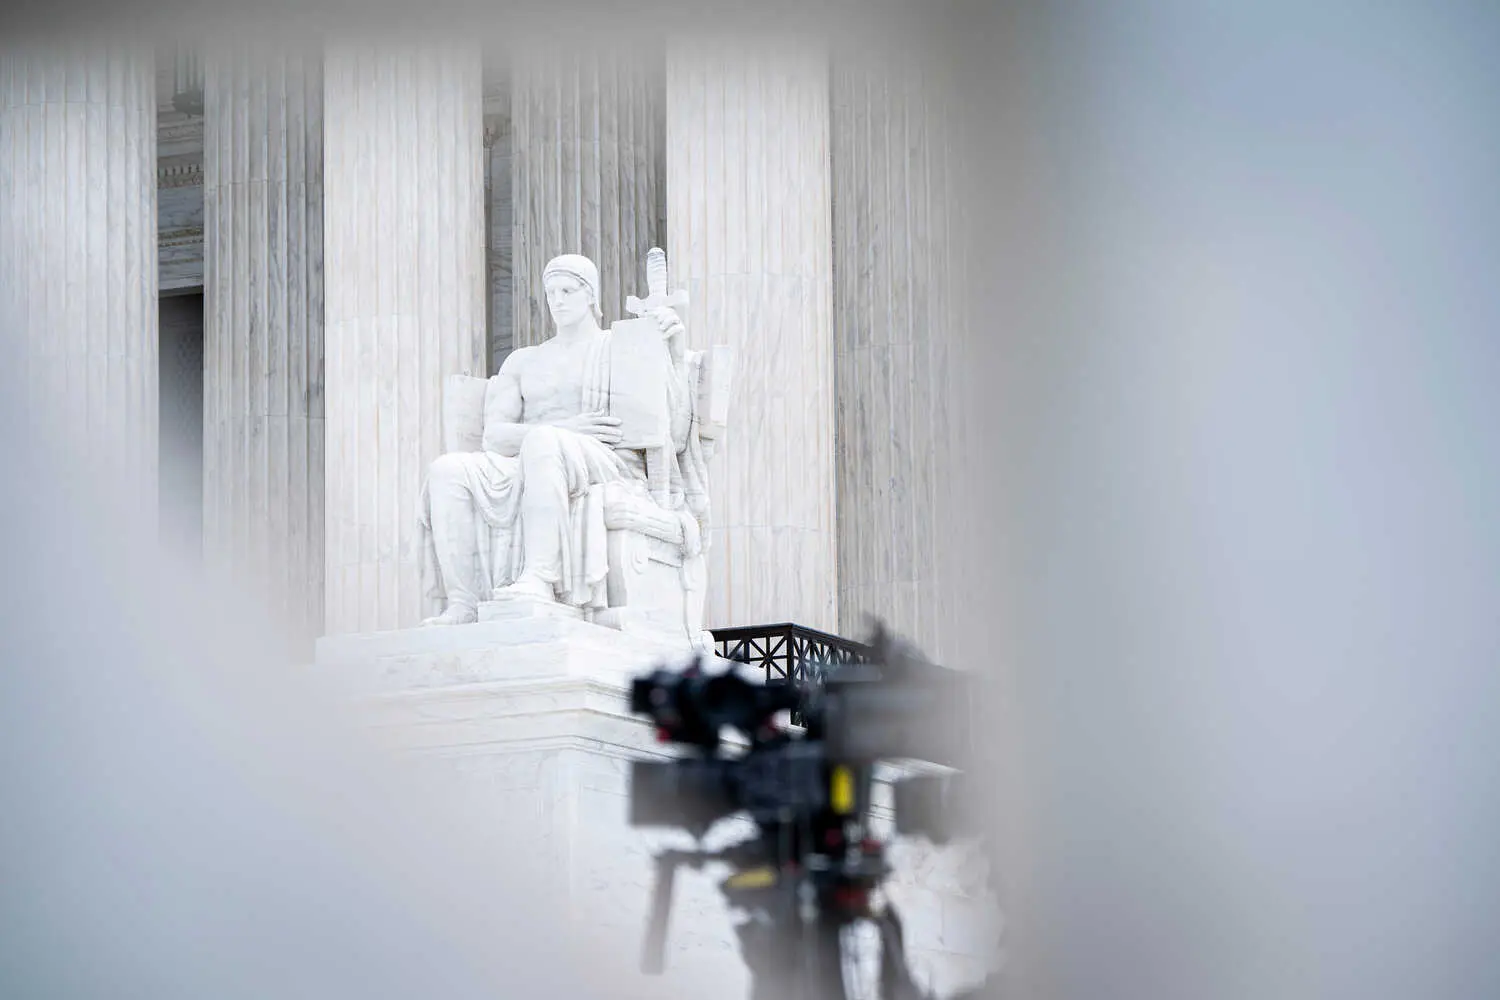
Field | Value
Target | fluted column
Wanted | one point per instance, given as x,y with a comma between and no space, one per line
897,319
748,234
587,173
403,246
263,328
78,257
499,139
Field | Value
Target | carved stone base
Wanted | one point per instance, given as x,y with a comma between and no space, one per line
644,622
653,622
647,586
516,608
533,712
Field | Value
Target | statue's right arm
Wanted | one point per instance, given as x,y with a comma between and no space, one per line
503,407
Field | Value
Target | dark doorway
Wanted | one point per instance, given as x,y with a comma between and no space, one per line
180,325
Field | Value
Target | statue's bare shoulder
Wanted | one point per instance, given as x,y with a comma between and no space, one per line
515,362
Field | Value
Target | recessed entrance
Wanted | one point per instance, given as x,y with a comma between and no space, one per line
180,326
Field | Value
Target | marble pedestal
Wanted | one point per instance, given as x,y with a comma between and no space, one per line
530,705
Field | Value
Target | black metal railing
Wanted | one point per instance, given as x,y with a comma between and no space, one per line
786,650
798,653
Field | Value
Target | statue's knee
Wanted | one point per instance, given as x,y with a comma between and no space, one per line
541,444
447,468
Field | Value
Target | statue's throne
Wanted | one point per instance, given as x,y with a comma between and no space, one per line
657,564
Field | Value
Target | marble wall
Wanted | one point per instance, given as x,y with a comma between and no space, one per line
263,329
499,219
748,235
405,305
587,173
78,256
898,326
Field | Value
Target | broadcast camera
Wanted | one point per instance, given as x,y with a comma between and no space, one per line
814,864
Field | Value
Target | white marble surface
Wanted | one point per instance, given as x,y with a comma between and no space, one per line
534,714
748,233
78,264
499,141
498,650
587,173
263,329
898,329
404,304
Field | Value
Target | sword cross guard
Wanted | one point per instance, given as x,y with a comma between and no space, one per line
656,287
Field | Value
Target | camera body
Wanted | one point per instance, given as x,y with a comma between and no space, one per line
899,706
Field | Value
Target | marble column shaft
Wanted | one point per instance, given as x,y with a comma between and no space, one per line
587,174
748,234
898,318
78,280
404,292
263,328
499,234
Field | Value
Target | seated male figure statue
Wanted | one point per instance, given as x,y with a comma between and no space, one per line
523,516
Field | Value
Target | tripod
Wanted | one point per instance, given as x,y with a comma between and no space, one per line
792,944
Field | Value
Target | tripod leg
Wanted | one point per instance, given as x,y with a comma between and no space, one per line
654,954
765,949
827,974
896,982
787,962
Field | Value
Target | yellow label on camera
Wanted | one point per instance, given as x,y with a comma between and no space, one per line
841,795
755,878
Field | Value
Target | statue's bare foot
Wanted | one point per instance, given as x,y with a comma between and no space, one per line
530,586
456,614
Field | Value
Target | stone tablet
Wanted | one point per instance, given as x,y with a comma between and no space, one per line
639,369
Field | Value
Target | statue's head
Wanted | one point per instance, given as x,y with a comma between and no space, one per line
571,283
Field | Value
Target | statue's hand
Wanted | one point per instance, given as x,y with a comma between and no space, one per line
596,425
668,322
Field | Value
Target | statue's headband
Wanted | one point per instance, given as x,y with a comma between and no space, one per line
576,265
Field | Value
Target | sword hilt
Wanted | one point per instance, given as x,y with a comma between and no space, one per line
656,287
656,272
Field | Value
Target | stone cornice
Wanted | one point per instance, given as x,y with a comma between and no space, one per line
176,175
168,238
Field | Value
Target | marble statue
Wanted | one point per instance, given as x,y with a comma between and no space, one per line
584,479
